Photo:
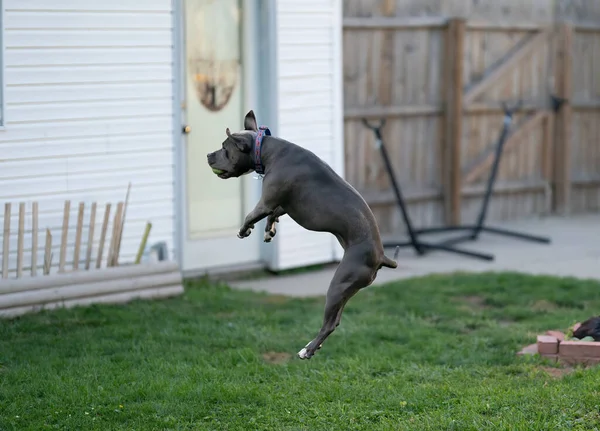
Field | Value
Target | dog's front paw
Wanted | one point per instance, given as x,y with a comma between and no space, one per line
245,233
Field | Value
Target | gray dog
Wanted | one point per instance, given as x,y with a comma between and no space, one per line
298,183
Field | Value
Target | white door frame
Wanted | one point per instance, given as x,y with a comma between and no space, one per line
257,96
338,100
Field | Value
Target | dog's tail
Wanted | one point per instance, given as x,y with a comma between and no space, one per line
391,263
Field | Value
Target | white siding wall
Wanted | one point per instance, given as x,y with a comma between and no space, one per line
89,108
309,108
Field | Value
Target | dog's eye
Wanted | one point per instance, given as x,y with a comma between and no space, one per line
226,153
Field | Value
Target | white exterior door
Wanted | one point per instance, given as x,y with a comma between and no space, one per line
215,80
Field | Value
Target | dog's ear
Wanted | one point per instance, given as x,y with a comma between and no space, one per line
250,122
243,145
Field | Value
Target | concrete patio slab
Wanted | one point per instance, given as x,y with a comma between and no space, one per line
574,252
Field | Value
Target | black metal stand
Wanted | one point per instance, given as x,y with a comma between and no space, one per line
421,247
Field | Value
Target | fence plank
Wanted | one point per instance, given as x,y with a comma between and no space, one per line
547,168
375,112
394,23
498,26
562,179
451,174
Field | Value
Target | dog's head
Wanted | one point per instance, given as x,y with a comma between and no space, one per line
235,158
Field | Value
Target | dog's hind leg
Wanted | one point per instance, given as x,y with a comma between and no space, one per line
349,278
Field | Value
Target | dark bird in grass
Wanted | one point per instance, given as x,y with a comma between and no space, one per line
589,328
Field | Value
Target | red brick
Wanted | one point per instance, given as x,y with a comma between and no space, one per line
532,349
557,334
582,349
547,345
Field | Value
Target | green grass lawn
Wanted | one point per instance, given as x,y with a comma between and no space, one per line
434,353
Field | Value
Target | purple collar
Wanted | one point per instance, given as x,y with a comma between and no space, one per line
262,132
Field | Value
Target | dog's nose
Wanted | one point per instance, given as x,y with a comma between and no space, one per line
210,157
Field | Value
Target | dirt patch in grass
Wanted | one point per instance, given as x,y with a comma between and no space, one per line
557,373
276,357
505,323
473,301
543,306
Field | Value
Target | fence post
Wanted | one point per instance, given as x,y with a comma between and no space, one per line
562,145
453,119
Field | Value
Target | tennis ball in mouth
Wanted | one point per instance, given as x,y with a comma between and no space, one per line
217,171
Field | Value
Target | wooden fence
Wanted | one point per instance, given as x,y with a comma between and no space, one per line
439,82
80,276
26,259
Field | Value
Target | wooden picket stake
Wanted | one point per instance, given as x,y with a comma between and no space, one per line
90,244
103,235
114,241
20,239
6,240
78,234
64,237
34,238
48,252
